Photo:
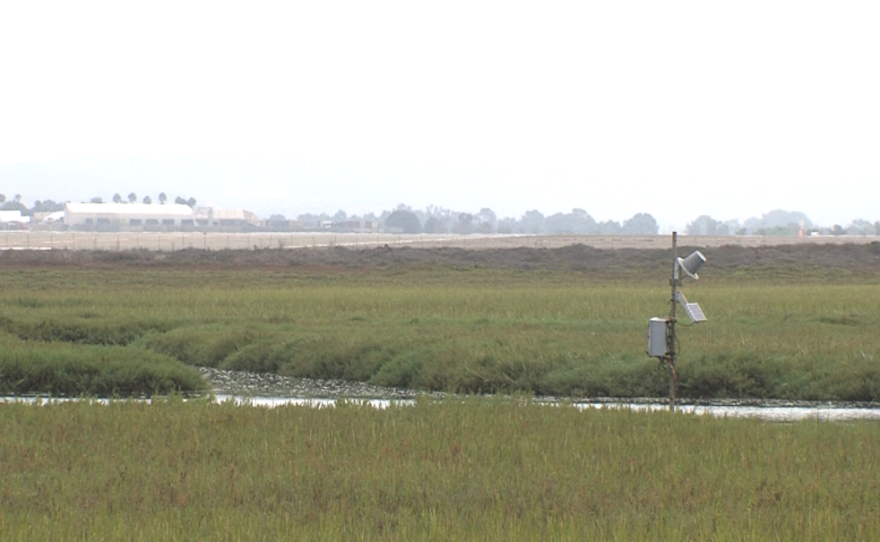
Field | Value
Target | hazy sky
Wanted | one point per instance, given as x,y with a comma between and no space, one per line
675,108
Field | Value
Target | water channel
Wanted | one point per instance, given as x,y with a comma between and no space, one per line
268,390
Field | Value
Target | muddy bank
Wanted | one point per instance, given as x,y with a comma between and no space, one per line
853,257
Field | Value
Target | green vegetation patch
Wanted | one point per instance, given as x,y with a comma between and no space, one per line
458,469
63,370
562,325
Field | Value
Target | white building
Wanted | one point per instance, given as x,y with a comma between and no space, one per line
127,216
226,218
13,219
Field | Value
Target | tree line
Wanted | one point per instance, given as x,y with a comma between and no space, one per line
51,206
439,220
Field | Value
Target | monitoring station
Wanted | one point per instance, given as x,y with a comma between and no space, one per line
661,331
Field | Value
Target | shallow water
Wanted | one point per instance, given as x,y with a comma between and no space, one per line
269,390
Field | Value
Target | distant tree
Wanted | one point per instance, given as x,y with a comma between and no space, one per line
732,226
860,226
340,216
15,205
435,225
609,227
532,222
487,220
47,206
403,220
132,197
117,198
640,224
277,218
465,224
97,199
583,222
506,225
778,221
191,202
148,200
560,223
17,198
162,198
837,229
877,227
2,199
706,225
179,200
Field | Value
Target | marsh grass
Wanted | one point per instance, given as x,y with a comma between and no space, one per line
472,330
71,370
463,469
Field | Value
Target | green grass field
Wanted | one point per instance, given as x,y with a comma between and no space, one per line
782,330
458,469
461,468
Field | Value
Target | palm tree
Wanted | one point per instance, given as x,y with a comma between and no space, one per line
162,198
132,197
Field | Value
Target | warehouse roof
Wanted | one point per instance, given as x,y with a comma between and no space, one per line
128,209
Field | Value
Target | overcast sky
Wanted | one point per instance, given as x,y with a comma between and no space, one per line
675,108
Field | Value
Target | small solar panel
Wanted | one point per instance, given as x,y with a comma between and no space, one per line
694,312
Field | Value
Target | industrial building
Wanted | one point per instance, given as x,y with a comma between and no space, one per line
152,217
226,218
127,216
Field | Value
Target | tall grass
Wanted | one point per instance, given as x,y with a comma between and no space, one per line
472,469
467,330
65,370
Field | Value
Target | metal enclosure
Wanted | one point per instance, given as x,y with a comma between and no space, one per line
657,337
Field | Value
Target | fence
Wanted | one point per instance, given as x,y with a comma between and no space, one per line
173,241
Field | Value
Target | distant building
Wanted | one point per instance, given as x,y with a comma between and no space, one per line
226,218
13,220
127,216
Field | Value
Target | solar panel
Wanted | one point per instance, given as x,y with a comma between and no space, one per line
694,312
